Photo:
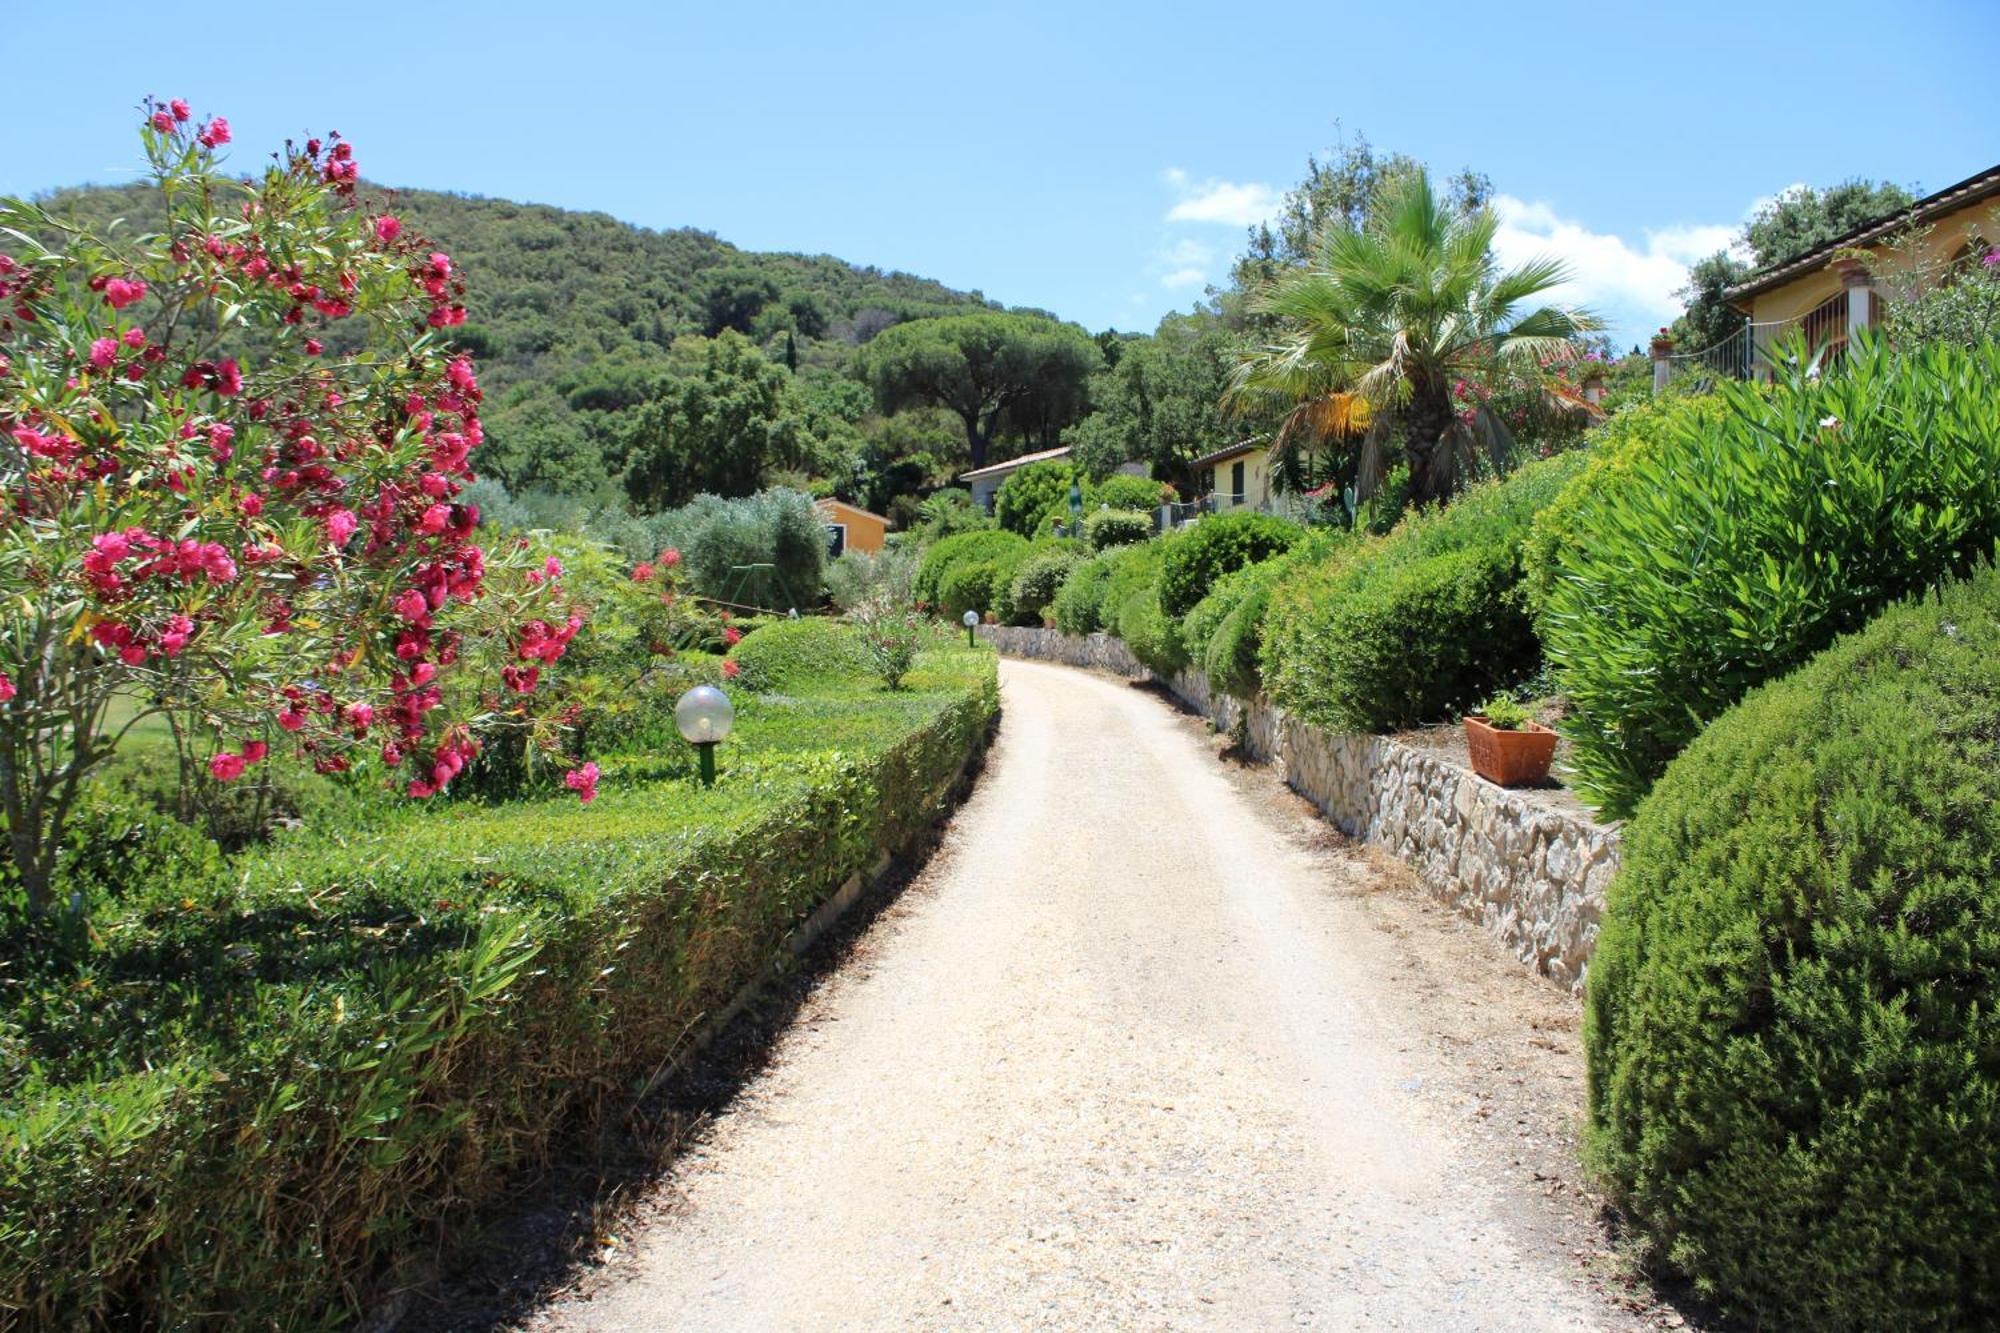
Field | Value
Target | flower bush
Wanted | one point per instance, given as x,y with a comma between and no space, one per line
214,514
1747,541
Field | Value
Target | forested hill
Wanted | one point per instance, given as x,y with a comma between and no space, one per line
553,290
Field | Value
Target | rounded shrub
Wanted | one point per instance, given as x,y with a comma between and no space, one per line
1121,490
969,587
1793,1057
1382,633
787,655
1040,577
1026,497
962,548
1079,607
1116,527
1750,541
1214,547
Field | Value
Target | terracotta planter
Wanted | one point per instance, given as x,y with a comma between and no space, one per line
1510,758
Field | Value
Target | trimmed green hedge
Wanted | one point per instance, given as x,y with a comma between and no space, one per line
970,587
1200,555
1793,1053
1116,527
1040,577
1123,491
1742,545
1079,607
271,1095
1030,494
1380,634
791,655
964,548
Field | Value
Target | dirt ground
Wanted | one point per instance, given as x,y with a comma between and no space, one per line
1145,1045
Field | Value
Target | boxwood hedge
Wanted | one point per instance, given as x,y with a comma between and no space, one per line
1200,555
1793,1057
269,1095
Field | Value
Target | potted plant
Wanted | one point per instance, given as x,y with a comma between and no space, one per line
1508,746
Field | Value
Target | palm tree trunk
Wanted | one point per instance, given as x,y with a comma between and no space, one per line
1428,418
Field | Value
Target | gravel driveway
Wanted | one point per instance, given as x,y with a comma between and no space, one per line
1143,1047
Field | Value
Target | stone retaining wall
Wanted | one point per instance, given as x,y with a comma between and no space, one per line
1531,872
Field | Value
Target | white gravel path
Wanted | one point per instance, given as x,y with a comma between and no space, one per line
1131,1053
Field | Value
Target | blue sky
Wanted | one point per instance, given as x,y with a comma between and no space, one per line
1097,160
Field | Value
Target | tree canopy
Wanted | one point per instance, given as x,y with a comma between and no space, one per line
995,372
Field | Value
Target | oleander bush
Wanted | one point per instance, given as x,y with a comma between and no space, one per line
943,556
271,1092
1038,580
1382,633
1634,435
1213,547
790,655
1744,544
1793,1058
1116,527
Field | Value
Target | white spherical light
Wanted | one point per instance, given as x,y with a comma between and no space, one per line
704,715
969,619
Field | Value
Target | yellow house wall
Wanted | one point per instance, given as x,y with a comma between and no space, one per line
1803,295
1256,479
865,532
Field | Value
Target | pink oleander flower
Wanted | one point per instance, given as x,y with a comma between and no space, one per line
388,228
182,111
104,353
214,134
731,669
340,526
226,767
7,690
411,606
641,572
163,121
121,292
583,781
135,337
732,636
670,557
254,752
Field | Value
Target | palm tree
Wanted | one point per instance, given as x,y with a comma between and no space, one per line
1390,329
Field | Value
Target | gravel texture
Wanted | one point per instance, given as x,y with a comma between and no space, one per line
1144,1046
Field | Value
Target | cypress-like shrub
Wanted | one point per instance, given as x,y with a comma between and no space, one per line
1040,577
1792,1047
1078,608
961,548
1384,633
1213,547
1744,545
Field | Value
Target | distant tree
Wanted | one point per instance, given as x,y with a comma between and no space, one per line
1802,218
1160,403
990,370
733,297
1709,318
716,424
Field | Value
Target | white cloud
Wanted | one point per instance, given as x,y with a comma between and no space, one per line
1631,286
1184,277
1236,204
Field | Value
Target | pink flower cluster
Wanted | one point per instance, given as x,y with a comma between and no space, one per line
583,781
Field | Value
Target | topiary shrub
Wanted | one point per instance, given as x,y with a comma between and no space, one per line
1214,547
1039,579
1225,630
1378,634
1794,1063
1121,490
963,548
788,655
1748,543
1116,527
1026,497
970,587
1132,606
1079,607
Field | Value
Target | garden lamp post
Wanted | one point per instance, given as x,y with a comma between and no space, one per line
704,716
971,622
